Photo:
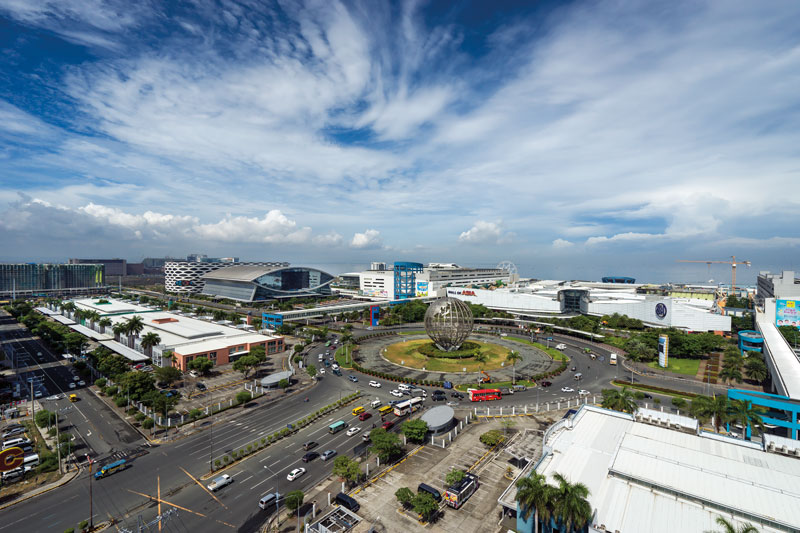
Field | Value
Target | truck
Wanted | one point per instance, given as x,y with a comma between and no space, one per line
613,359
220,482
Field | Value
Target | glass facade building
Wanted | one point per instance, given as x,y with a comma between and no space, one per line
249,284
43,278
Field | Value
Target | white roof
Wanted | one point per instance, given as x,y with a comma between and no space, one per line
112,307
45,311
92,334
220,343
64,320
648,478
124,351
783,357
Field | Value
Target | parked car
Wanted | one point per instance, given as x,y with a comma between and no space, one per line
201,386
583,392
296,473
194,373
567,389
352,431
13,431
352,378
337,371
327,363
335,366
396,393
457,395
327,454
364,416
310,456
81,383
139,366
375,384
71,384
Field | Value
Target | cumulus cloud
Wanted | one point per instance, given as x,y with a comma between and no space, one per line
561,243
328,239
274,227
368,240
485,232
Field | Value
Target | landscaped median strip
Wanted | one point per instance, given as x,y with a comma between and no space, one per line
655,390
264,442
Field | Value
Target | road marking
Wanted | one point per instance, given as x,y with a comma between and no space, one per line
246,479
203,487
165,502
264,459
261,483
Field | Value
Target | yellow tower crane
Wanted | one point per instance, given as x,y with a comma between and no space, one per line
733,264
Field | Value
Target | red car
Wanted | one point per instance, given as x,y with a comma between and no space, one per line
387,425
364,416
545,383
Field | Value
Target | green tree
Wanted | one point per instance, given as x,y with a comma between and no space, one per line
570,505
160,402
756,369
167,374
679,403
114,366
136,384
45,418
385,445
134,325
512,358
791,334
507,423
346,468
424,505
454,476
201,364
312,370
534,495
731,373
715,408
194,414
149,340
259,352
491,438
294,500
243,397
744,413
623,400
74,342
148,423
404,496
415,430
728,527
284,384
245,364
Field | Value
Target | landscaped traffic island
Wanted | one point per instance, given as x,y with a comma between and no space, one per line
473,356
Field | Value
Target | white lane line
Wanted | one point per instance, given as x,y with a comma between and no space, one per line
264,459
261,483
246,479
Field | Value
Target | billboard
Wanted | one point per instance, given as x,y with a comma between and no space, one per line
787,313
422,289
663,351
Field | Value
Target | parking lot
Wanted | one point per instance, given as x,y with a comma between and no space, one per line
430,464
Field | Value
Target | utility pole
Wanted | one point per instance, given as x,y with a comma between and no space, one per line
91,501
58,446
211,452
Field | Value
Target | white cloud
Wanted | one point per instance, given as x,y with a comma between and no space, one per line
485,232
274,227
328,239
368,240
561,243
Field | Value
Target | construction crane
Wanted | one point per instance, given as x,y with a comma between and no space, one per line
733,264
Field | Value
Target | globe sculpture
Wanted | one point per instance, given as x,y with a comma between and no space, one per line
448,322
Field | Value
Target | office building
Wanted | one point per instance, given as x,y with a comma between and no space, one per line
779,286
32,279
113,267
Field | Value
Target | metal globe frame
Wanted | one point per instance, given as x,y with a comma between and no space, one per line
448,322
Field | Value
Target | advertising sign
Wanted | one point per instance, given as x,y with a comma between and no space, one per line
787,313
663,351
422,289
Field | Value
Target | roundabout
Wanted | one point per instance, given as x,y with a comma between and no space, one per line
473,356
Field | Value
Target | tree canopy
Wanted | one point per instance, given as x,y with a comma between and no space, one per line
385,445
415,430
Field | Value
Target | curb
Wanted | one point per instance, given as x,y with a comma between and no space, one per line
63,481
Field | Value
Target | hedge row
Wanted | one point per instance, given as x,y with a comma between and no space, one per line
468,349
257,445
653,388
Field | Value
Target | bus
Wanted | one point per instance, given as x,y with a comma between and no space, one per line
458,493
480,395
408,406
336,427
613,359
112,468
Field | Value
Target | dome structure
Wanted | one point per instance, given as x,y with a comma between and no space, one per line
448,322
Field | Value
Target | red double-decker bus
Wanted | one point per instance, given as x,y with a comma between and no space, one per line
480,395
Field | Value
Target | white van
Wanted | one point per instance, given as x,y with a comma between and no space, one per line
578,376
403,386
375,403
31,460
269,501
14,442
561,347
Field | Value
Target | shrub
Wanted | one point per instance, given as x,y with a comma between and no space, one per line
249,448
492,438
226,459
100,382
139,416
120,401
83,525
132,411
70,530
263,440
217,463
148,423
110,391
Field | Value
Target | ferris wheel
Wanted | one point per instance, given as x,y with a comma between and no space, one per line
508,266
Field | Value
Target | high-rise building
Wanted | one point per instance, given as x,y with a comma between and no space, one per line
780,286
114,267
29,279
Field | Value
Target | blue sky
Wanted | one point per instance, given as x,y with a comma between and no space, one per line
576,139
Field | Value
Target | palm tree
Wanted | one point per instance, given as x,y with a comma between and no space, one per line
756,369
119,328
623,400
731,373
728,527
716,408
743,412
570,506
534,495
512,358
134,325
104,322
149,340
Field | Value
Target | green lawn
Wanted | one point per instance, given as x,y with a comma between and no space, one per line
687,367
341,357
412,332
552,352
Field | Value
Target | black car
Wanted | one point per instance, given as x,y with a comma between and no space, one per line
310,456
545,383
457,395
439,396
201,386
574,368
648,396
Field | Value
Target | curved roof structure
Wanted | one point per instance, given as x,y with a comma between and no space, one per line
255,283
439,418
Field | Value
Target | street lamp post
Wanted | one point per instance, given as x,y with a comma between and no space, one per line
211,445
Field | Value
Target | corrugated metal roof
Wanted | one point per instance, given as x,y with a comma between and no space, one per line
782,355
124,351
648,478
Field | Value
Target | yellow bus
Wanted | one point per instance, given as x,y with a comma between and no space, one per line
385,409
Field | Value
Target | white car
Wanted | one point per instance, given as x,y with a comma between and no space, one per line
75,378
321,370
567,389
334,366
72,385
375,384
353,431
584,392
82,383
296,473
396,393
